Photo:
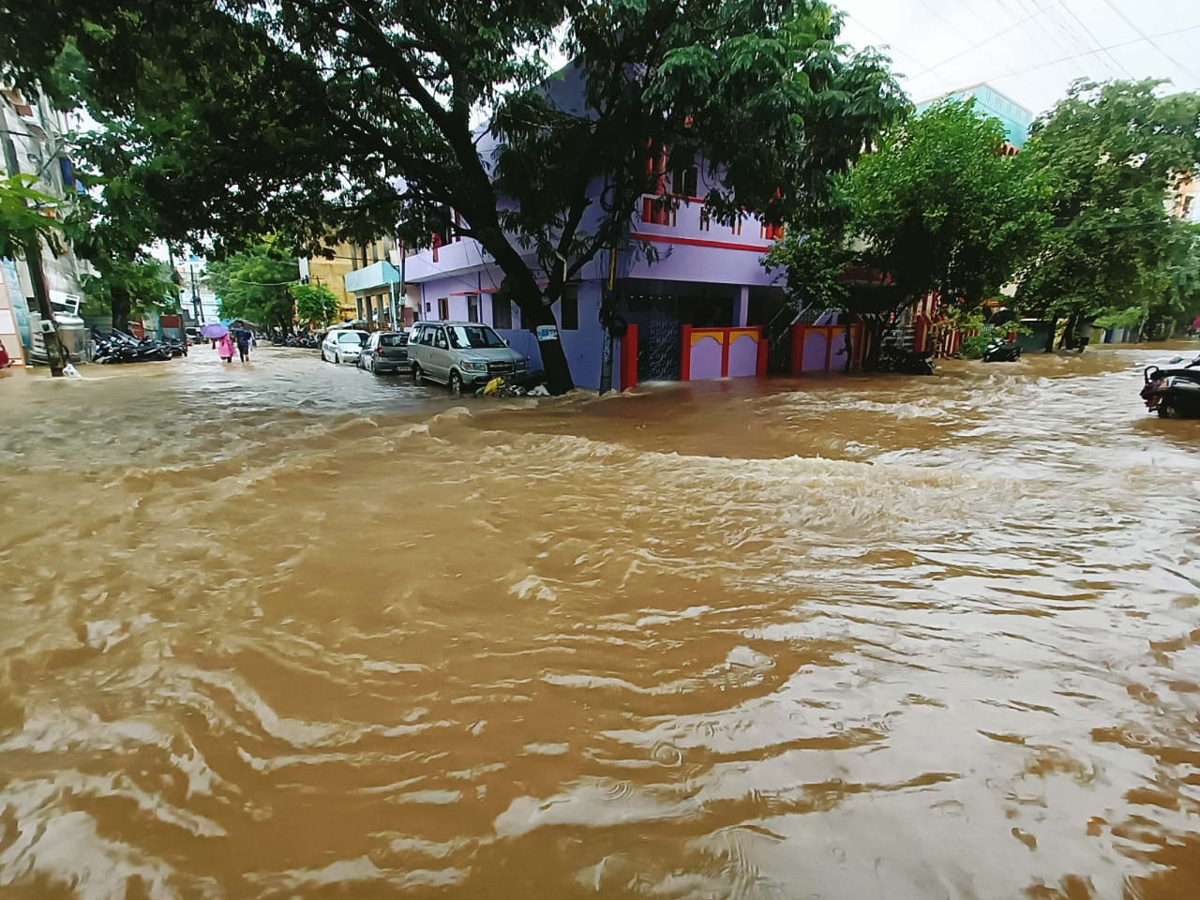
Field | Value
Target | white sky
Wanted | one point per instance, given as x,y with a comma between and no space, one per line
1028,50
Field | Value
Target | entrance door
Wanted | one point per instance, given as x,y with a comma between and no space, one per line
660,336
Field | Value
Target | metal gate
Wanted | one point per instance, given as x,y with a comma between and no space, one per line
660,336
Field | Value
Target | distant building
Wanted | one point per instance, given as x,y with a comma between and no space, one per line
1015,118
376,285
331,272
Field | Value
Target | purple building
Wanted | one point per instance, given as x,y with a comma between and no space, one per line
680,269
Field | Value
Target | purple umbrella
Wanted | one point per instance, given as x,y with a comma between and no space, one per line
214,330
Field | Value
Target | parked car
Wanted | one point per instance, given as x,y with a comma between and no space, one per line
343,344
385,352
461,354
194,336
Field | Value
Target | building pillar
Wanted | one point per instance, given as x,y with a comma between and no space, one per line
358,307
742,309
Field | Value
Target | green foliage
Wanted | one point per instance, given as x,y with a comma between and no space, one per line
23,216
941,209
254,285
315,303
814,262
234,120
1110,152
143,284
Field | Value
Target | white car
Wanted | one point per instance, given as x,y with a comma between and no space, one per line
343,345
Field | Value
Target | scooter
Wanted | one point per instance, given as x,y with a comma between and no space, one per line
906,362
1001,350
1173,393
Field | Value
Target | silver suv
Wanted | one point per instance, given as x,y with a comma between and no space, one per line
461,354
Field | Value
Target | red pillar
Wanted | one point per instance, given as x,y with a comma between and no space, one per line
685,364
760,361
726,337
797,361
629,357
828,347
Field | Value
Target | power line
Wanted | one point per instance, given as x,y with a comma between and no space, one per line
1089,33
1061,59
987,40
1134,25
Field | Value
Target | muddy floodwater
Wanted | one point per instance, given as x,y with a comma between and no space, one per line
290,630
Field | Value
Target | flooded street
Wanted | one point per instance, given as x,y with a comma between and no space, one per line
289,630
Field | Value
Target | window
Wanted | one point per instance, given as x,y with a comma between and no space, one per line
472,307
705,218
474,337
352,337
374,251
568,317
393,340
443,308
439,339
501,312
684,181
427,336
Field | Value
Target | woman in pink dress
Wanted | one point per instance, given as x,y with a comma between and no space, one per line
225,348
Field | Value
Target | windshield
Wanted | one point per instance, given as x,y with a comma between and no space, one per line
351,337
393,340
476,337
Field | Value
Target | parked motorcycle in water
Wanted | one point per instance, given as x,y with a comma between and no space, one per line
1001,350
903,361
118,347
1173,393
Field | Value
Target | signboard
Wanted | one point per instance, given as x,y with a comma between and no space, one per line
547,333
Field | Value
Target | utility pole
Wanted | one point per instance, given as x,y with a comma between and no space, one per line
56,354
199,309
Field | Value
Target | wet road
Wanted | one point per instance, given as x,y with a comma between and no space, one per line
289,630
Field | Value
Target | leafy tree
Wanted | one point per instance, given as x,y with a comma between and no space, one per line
1109,152
23,217
130,287
302,118
315,303
254,285
941,209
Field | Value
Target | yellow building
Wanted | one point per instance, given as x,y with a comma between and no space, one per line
332,273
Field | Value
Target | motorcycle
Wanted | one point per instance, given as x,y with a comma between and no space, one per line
119,347
1001,350
903,361
1173,393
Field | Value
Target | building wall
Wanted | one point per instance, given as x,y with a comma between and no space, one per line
32,142
332,274
1015,118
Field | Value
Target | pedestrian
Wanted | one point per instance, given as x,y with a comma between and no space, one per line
225,348
243,343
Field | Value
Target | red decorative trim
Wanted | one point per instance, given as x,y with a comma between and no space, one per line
697,242
725,355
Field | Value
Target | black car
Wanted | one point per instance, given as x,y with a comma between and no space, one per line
386,352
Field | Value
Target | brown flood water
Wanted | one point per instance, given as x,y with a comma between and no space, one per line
292,631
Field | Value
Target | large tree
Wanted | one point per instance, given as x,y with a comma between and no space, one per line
941,208
340,120
1111,152
255,285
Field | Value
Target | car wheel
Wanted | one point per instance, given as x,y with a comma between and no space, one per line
337,358
456,383
323,359
415,374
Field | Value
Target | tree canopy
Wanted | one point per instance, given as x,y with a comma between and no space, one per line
254,285
330,121
935,207
1110,153
316,304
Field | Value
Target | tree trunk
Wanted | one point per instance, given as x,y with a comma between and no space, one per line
1068,339
1049,345
121,304
554,359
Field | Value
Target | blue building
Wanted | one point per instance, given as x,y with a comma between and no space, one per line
1015,118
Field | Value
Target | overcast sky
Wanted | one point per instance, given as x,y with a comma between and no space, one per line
1028,50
